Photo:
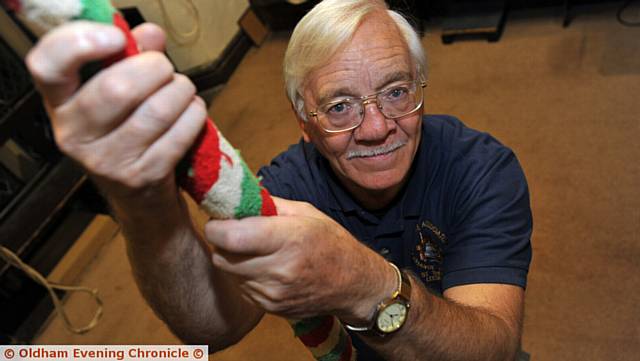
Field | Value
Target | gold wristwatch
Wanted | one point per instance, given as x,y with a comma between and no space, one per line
391,314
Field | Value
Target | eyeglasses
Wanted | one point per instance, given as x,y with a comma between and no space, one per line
347,113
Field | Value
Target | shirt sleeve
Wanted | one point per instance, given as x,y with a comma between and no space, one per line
492,223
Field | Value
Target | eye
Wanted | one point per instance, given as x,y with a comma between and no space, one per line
397,92
339,108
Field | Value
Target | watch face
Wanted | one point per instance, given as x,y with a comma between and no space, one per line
392,317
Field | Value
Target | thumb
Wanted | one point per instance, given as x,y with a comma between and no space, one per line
287,207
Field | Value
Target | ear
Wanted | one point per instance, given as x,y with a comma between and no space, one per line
302,124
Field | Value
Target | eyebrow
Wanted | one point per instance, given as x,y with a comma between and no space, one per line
348,92
335,93
394,77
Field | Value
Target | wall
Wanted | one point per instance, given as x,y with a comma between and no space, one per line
218,25
13,35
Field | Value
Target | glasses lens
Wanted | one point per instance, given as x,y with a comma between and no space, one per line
400,100
342,114
394,102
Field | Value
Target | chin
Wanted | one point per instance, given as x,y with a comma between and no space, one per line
363,177
378,181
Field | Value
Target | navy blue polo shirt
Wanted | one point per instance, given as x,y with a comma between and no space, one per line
463,217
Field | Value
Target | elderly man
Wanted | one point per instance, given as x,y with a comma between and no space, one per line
376,187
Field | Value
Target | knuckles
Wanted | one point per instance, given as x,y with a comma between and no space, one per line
285,277
276,295
276,300
115,89
156,113
64,142
162,110
157,61
184,81
200,102
217,234
36,67
200,109
120,87
229,240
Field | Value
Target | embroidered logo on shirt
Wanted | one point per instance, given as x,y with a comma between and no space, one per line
427,255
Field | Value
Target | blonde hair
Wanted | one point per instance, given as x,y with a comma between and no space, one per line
325,29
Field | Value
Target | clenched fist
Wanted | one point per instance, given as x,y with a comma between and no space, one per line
131,123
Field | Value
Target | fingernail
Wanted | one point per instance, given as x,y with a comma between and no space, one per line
109,37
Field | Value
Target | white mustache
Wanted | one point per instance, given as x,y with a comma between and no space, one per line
375,151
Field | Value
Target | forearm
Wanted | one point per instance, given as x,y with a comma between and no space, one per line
440,329
173,270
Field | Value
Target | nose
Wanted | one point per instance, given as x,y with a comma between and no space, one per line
375,127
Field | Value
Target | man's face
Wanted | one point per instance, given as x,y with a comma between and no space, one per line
375,58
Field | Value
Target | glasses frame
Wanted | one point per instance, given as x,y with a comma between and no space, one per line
366,99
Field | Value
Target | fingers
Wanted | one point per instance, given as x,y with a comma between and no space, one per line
165,153
245,267
110,96
263,300
160,110
129,160
258,279
276,297
149,36
54,62
252,236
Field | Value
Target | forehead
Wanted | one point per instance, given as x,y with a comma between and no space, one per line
376,55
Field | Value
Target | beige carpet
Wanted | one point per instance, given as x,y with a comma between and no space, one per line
566,100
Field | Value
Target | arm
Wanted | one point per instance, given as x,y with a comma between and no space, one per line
488,243
471,322
172,268
128,126
303,264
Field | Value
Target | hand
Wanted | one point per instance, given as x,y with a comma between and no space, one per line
131,123
301,263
